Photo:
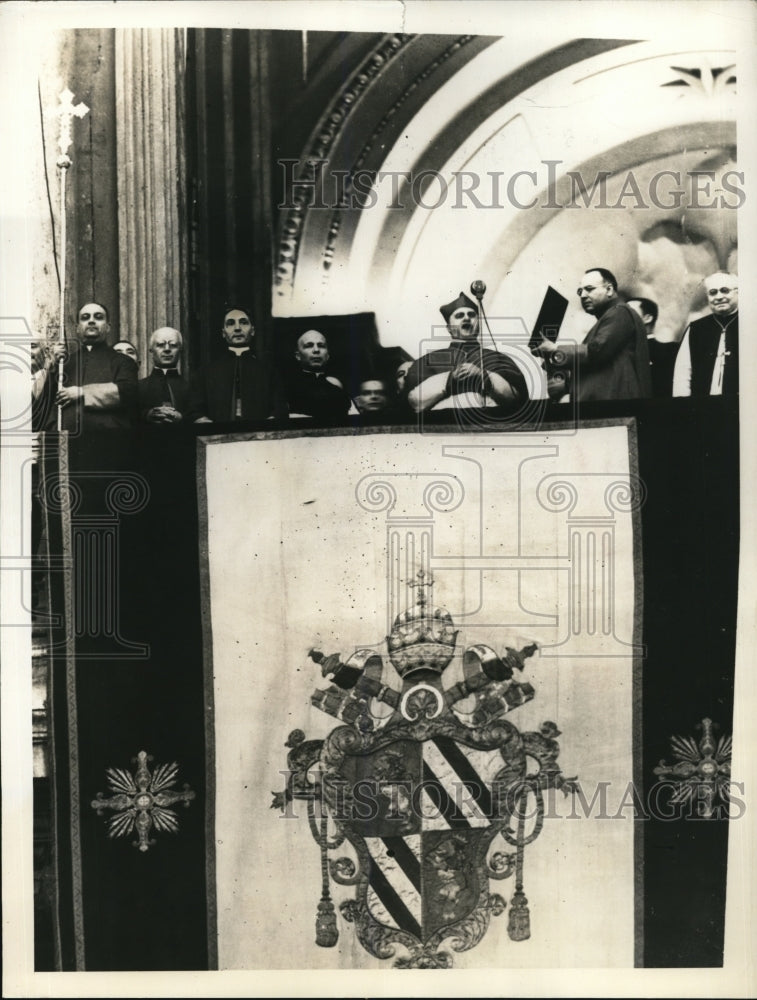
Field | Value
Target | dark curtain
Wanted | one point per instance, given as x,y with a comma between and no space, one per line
229,184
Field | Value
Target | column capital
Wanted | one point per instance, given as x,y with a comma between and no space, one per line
591,496
412,496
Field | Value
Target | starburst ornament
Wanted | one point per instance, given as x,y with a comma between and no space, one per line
702,771
141,800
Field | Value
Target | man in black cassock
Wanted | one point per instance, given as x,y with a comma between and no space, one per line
238,385
164,395
464,374
310,391
99,384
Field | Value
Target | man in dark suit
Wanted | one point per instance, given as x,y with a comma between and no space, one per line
708,359
613,360
240,384
662,353
100,385
164,395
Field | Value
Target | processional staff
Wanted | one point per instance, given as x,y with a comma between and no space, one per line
66,111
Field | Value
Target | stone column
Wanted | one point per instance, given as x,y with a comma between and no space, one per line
151,182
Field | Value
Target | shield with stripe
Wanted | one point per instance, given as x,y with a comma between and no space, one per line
426,813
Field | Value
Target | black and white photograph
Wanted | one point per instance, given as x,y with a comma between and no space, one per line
376,463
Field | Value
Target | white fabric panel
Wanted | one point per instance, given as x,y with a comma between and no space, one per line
296,560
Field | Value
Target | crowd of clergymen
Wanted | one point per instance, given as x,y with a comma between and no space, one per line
618,359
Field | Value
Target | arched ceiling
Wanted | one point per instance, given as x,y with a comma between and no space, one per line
479,108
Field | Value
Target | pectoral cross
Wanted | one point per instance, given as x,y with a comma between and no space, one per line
66,111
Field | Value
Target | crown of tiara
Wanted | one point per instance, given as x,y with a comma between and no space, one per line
424,636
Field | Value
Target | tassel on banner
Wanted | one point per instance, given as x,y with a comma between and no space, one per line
519,920
326,931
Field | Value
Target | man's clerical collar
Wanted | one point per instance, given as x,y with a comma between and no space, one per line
238,350
724,321
166,371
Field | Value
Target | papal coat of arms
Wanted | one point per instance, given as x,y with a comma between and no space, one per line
424,804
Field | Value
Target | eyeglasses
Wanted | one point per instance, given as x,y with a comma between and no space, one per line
723,291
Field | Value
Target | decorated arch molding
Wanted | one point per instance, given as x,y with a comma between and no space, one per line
371,114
